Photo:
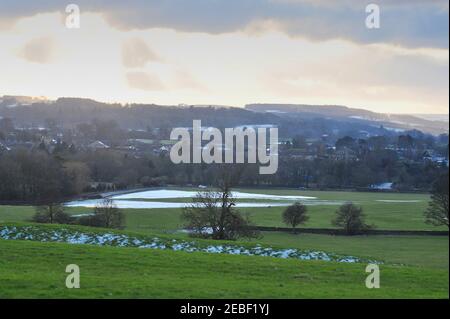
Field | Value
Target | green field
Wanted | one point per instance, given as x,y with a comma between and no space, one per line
384,215
422,251
421,261
32,269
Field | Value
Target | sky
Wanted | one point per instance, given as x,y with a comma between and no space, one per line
230,52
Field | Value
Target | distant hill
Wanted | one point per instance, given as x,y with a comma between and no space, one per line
307,120
433,117
68,112
396,122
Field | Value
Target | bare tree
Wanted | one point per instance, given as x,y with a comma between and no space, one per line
52,213
106,214
213,213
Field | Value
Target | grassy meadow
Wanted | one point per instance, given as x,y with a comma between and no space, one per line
33,269
413,266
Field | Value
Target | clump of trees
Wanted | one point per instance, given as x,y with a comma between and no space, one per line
351,219
52,213
437,212
70,168
106,214
38,177
295,215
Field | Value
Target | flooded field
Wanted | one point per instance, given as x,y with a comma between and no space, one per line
163,198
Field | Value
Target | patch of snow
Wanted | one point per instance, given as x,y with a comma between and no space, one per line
75,237
382,186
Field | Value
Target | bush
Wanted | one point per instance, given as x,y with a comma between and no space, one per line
106,214
295,215
351,219
90,220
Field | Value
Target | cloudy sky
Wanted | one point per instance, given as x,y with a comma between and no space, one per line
230,52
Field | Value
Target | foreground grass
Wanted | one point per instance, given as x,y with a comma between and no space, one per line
37,270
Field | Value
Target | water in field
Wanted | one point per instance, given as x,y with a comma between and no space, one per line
156,199
149,205
166,193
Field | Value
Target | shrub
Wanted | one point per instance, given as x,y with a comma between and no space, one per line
106,215
295,215
351,219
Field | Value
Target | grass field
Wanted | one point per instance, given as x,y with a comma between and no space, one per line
422,251
407,215
415,266
32,269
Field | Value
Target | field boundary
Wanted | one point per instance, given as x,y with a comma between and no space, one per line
330,231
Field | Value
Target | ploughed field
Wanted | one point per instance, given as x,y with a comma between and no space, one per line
411,266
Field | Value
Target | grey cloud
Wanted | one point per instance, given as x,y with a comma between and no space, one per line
417,23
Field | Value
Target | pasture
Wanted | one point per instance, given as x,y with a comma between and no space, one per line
413,266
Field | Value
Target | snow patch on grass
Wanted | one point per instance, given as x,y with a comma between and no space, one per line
71,236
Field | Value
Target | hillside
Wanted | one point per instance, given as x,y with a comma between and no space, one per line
434,125
309,120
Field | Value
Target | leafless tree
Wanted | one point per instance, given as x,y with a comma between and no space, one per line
106,214
213,213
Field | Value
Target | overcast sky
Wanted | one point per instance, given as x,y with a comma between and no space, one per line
230,52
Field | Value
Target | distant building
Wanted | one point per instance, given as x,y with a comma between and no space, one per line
4,148
344,154
429,156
